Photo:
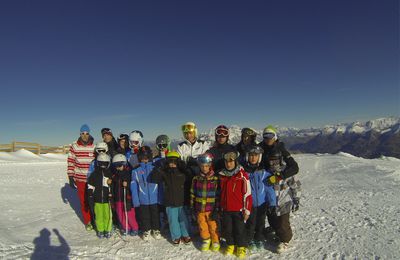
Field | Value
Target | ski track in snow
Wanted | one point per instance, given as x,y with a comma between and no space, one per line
350,209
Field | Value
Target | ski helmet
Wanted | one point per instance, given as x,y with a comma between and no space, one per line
103,160
189,127
173,156
249,133
222,130
145,152
119,160
101,147
135,139
254,149
162,142
106,130
274,161
123,136
231,156
270,132
205,158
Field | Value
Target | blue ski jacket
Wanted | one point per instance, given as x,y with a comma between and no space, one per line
144,192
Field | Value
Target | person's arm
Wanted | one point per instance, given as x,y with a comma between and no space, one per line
71,166
292,168
270,196
247,198
135,189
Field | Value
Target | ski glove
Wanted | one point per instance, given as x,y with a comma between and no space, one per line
72,182
274,179
296,204
271,211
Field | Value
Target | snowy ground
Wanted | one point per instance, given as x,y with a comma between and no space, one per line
350,210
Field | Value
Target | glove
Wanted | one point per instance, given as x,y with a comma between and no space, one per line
272,180
214,215
72,182
271,211
296,204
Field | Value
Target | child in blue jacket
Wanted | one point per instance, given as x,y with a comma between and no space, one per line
145,195
264,197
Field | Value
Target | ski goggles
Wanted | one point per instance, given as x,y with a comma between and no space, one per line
222,132
134,143
119,164
172,160
106,131
123,137
231,156
255,150
269,135
188,128
103,165
162,146
248,132
100,151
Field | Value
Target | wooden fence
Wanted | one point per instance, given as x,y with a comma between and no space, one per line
33,147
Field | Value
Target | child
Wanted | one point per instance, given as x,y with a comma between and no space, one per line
263,197
135,142
204,202
236,202
173,176
123,197
145,195
99,192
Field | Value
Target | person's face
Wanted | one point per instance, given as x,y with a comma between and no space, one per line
222,139
253,158
205,168
269,142
107,138
122,143
190,137
120,168
230,165
85,136
172,165
145,160
246,139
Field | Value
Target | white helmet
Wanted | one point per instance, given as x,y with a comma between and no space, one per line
119,158
103,160
135,139
101,147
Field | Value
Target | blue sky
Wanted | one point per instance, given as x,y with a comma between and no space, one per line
152,65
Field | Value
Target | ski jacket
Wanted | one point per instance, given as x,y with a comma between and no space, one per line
261,191
174,181
204,193
79,158
132,158
98,187
218,152
190,151
118,178
285,191
144,191
291,167
235,191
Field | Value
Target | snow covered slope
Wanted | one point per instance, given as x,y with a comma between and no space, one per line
349,210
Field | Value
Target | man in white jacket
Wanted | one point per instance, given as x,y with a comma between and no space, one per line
191,148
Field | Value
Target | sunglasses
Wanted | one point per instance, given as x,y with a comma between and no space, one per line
223,132
162,146
119,164
84,133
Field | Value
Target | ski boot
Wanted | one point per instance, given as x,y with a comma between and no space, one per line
241,252
215,247
205,246
229,250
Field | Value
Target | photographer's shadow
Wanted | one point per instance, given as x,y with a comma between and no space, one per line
70,196
43,249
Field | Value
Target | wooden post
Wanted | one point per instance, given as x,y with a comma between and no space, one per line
38,149
13,146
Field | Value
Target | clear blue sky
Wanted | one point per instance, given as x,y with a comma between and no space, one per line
152,65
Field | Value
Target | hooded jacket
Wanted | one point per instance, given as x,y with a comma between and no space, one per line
97,185
261,191
144,191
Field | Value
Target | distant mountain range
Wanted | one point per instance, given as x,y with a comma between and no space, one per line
369,139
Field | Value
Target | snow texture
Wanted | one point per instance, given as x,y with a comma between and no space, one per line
350,209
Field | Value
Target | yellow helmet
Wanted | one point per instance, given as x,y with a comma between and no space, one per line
189,127
173,154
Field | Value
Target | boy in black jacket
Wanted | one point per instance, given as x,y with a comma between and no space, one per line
99,191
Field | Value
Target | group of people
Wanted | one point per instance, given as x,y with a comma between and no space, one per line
224,192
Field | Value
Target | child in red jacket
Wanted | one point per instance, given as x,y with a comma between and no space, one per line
235,203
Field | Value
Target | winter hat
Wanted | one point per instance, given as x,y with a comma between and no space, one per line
106,131
85,128
270,132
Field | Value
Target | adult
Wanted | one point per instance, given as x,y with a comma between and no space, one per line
123,144
80,156
247,138
220,147
109,139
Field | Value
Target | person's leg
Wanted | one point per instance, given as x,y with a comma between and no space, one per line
203,227
81,187
260,224
251,225
173,220
284,231
119,208
98,211
227,228
183,222
212,228
145,218
108,217
132,222
239,230
155,217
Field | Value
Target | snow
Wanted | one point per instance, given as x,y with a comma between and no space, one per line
349,210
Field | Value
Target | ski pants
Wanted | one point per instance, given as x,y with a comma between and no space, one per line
103,215
178,222
81,187
281,225
234,229
255,225
208,227
131,217
149,217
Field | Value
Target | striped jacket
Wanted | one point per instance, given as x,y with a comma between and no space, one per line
204,193
79,158
235,191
